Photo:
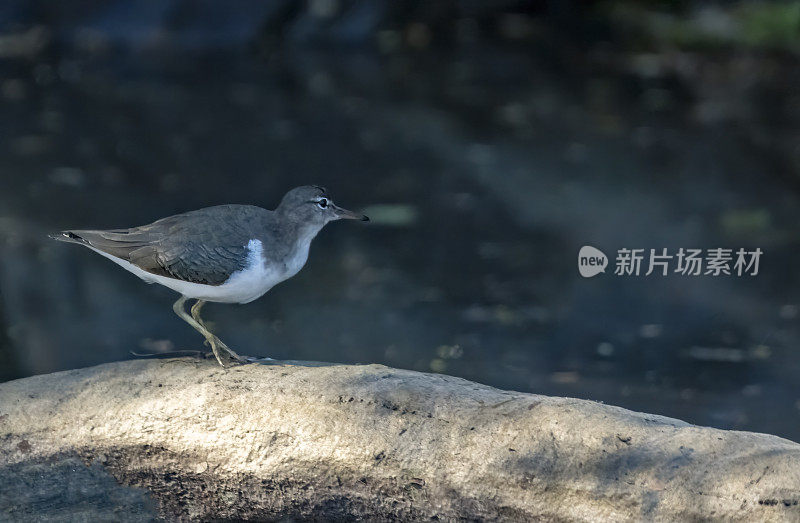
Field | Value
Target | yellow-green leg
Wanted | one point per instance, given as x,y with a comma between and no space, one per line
195,321
221,344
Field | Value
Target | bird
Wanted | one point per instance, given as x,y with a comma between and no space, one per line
226,253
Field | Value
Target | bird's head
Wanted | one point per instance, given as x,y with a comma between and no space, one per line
310,205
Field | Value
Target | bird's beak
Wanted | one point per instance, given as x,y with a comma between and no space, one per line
348,215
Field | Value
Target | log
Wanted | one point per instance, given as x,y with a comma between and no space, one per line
186,439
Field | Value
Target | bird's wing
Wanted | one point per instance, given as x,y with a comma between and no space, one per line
204,246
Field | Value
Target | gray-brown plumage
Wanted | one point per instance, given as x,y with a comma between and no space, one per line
203,246
226,253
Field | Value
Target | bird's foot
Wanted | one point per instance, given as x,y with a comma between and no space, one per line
229,354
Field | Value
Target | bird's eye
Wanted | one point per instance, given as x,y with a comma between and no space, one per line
322,202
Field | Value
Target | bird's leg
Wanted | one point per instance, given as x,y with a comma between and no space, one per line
178,307
196,311
196,316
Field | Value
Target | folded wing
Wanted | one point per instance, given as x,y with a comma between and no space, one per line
204,246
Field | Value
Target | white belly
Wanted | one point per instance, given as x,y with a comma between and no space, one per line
242,286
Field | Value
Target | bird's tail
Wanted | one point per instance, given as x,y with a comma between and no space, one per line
66,236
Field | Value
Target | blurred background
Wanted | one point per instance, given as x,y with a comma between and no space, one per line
487,140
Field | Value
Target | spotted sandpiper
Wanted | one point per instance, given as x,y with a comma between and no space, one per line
225,254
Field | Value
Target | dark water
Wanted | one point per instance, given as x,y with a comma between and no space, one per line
485,169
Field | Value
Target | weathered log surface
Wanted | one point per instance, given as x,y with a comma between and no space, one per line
186,439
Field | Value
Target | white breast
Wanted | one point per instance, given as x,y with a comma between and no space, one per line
242,286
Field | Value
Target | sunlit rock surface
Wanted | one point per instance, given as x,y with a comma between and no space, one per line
184,438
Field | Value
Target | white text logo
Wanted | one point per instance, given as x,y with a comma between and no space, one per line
591,261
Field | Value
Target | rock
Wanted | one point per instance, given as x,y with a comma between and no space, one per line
184,438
